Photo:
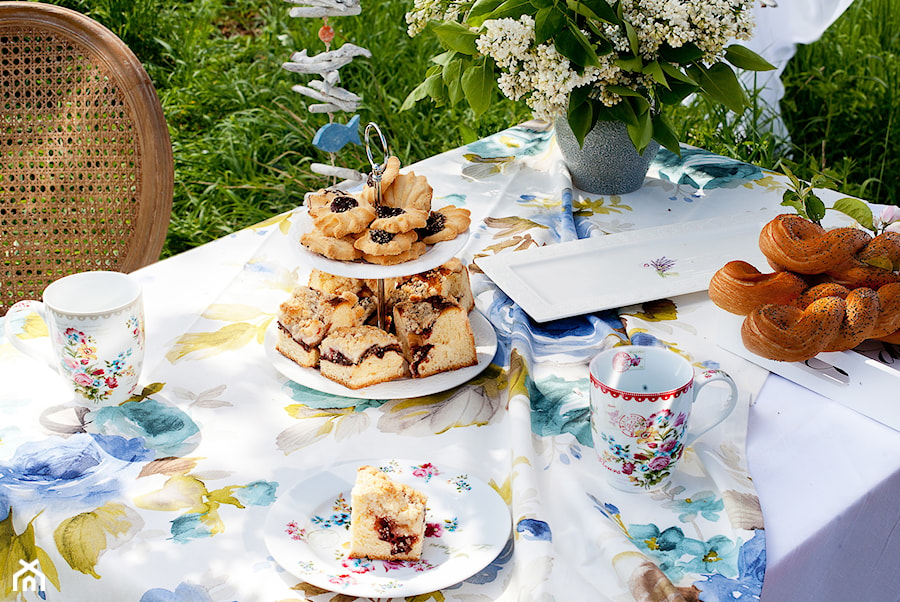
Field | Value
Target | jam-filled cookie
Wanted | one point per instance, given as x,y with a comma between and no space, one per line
398,219
317,201
344,215
445,224
414,252
409,191
379,242
391,171
341,249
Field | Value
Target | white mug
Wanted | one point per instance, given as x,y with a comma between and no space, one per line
96,325
641,402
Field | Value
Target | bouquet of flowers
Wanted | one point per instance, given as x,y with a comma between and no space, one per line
612,60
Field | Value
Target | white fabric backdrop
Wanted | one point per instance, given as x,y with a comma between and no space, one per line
778,31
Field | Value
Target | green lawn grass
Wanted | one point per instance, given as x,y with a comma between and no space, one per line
242,138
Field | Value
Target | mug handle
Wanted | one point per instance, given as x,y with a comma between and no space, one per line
30,349
703,379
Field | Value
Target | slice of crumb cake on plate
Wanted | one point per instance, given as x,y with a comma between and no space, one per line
387,518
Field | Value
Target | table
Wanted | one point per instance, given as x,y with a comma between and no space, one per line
166,498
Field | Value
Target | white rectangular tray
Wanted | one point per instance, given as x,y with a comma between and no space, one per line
862,380
593,274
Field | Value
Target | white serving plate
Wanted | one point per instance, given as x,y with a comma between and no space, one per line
403,388
857,379
307,531
436,255
604,272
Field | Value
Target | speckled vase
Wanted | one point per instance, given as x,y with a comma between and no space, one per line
608,163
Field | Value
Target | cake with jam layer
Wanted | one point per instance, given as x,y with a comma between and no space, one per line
387,519
435,335
361,356
451,279
309,315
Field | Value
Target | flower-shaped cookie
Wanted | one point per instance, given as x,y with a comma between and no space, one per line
445,224
379,242
343,215
398,219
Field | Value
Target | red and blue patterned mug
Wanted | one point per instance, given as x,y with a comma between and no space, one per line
95,321
641,402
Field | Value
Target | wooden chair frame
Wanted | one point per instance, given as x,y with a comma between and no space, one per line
49,177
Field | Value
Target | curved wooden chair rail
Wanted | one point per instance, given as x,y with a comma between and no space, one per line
86,169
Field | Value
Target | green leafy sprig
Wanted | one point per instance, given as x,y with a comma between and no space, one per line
802,198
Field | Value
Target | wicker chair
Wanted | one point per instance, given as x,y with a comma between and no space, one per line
86,171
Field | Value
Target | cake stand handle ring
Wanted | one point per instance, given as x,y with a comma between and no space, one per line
377,168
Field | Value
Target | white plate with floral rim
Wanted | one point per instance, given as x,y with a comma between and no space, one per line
307,531
436,255
403,388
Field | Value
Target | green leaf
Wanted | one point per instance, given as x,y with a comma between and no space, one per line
457,37
451,77
665,134
633,43
444,58
632,63
567,44
580,47
642,132
509,8
815,208
744,58
721,85
654,70
684,55
674,73
581,120
480,11
856,209
477,84
432,87
675,94
548,22
621,111
594,9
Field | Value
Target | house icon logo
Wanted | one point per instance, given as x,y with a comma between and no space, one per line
29,578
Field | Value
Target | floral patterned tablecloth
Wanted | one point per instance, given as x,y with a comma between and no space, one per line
165,497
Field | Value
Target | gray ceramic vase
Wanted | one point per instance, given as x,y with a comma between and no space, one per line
608,163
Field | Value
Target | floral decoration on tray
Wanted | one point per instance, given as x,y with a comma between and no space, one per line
394,229
831,289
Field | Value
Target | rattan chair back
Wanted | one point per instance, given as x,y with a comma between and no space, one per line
86,170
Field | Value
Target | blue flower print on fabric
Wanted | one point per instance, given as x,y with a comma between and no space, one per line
556,408
534,529
257,493
324,401
76,471
677,555
168,430
704,503
516,141
751,571
704,170
185,592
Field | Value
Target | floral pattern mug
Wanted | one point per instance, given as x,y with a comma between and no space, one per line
96,325
641,402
